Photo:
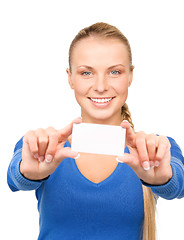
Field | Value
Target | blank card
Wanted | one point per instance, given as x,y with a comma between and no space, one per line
98,139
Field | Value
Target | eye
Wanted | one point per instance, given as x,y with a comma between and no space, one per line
86,73
115,72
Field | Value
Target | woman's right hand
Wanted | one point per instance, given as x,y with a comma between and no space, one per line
43,151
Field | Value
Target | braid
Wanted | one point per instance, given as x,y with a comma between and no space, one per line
149,227
149,200
126,115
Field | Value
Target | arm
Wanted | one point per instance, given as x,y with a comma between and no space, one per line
157,161
175,187
37,155
15,179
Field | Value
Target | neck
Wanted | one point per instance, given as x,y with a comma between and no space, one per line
114,121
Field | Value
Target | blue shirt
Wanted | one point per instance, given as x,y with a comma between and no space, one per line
72,207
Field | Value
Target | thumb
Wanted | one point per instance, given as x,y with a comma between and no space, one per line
63,153
65,132
128,159
130,134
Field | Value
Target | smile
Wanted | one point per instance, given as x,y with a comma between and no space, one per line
101,100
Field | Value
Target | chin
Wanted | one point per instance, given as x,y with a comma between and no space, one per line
102,118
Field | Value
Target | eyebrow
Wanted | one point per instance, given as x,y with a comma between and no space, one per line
85,66
89,67
117,65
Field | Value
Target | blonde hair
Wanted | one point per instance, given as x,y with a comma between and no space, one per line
105,30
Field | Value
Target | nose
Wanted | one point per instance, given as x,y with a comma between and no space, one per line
100,83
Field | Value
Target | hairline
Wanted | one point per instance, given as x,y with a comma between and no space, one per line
96,36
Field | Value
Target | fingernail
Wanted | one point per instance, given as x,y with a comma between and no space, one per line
146,165
117,159
41,158
152,165
77,156
79,118
48,158
125,121
36,155
157,163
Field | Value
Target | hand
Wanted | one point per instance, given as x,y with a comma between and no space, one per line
43,151
149,156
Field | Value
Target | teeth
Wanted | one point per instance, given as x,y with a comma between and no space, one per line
102,100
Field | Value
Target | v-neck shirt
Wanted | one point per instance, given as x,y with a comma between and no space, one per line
73,207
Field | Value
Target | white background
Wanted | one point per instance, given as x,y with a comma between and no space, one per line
34,42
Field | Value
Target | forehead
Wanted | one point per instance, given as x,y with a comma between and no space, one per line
93,51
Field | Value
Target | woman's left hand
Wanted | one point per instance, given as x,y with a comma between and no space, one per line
149,156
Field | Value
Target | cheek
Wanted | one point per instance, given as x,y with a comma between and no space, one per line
78,85
80,90
121,87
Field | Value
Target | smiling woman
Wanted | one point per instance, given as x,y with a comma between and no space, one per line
94,196
106,51
100,71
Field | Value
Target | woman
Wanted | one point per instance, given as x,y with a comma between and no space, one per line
90,196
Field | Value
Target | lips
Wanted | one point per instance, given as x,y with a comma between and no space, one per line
101,100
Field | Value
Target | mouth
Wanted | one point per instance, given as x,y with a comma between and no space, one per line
101,100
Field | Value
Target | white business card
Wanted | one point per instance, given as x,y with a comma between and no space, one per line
98,139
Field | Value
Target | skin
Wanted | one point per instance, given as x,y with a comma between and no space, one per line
100,68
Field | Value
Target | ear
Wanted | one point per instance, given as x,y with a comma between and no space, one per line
69,78
131,76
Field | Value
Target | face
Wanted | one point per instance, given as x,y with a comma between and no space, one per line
100,76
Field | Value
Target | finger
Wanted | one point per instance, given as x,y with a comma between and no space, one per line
142,150
53,136
163,146
130,135
129,160
67,131
63,153
70,138
42,143
151,147
31,139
